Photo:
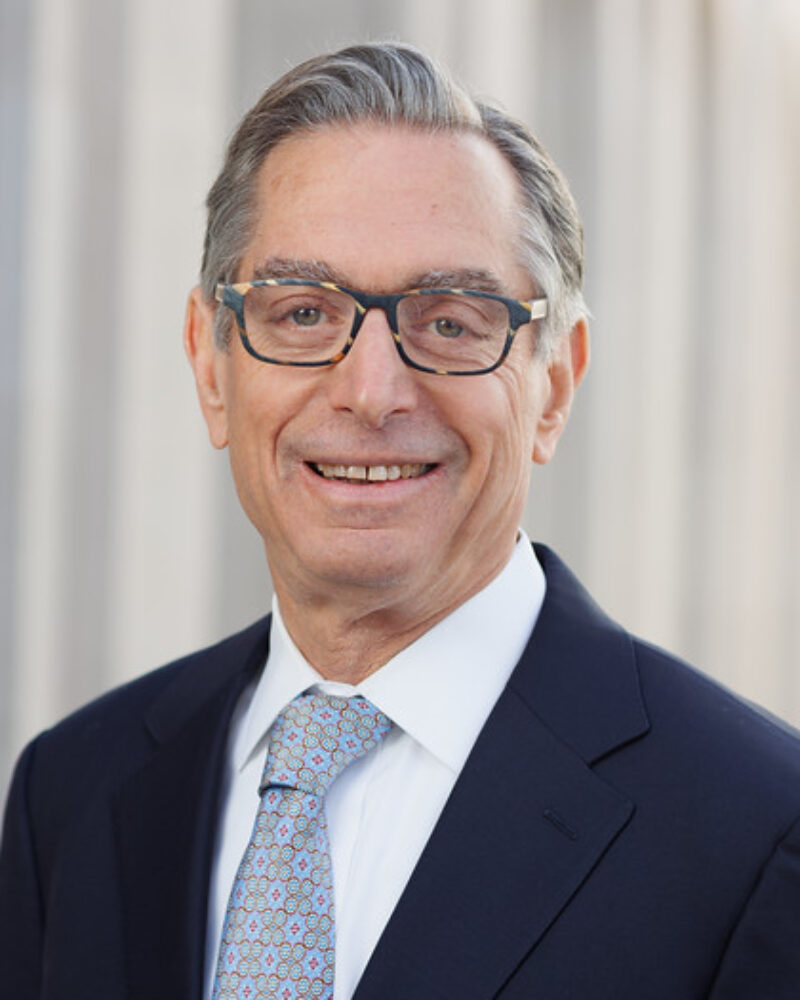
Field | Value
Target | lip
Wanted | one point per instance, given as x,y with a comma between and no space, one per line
370,491
371,472
367,460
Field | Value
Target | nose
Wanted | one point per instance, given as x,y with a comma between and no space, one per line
372,381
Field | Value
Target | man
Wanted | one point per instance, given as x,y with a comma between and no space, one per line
515,797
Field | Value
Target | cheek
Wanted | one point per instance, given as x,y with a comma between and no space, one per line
517,408
532,388
247,468
498,427
262,401
255,420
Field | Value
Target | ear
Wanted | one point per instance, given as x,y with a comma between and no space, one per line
565,370
209,364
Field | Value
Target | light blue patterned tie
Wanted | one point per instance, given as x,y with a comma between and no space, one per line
278,936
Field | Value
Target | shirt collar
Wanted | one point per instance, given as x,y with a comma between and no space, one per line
440,689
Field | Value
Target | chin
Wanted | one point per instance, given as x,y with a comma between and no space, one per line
365,575
364,563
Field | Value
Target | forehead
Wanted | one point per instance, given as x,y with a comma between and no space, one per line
376,201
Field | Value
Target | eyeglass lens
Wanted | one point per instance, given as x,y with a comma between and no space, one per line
441,330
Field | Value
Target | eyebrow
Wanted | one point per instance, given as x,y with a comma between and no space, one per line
475,279
290,267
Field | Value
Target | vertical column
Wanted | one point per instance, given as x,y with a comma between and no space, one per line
499,52
161,560
15,114
788,82
761,419
617,265
47,299
749,431
433,26
666,330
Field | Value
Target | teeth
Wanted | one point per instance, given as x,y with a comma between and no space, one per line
371,473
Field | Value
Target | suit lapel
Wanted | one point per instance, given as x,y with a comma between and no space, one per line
525,825
511,848
166,815
528,819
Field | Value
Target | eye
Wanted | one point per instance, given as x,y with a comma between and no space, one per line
306,316
448,328
448,316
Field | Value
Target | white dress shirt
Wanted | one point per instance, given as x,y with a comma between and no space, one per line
381,810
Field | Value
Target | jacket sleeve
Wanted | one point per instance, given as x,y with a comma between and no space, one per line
21,909
763,955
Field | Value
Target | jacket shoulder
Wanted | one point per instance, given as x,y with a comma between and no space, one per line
747,745
95,747
202,671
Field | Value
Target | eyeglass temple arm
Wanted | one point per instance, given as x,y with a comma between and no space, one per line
538,308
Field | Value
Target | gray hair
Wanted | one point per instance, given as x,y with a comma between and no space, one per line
395,84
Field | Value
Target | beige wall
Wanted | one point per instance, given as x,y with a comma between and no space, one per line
676,492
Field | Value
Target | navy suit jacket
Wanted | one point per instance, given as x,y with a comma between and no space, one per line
623,829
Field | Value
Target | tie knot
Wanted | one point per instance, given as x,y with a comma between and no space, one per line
316,736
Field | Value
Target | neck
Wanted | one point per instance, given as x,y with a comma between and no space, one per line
346,637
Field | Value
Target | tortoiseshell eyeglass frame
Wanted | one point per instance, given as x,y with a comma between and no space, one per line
520,312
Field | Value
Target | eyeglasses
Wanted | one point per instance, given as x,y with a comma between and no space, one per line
444,331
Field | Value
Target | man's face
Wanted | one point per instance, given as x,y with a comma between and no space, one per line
380,209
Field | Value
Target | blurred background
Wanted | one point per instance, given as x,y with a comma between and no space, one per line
676,491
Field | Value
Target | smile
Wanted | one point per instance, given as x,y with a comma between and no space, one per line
371,473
